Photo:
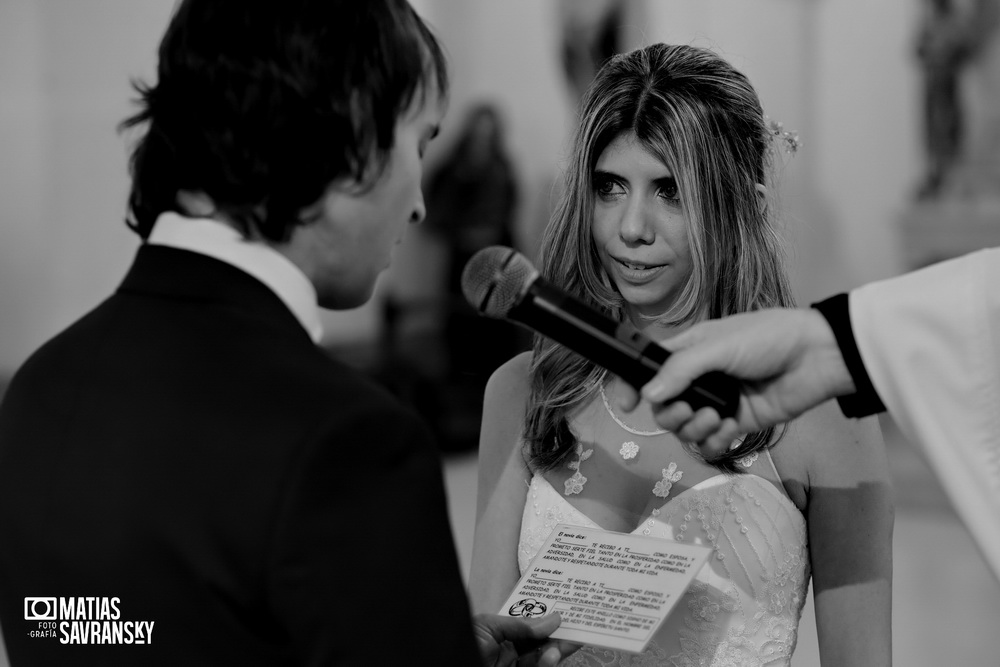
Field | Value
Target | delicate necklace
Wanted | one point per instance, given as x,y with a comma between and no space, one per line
630,429
629,449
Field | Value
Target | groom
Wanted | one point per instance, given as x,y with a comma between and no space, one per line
185,477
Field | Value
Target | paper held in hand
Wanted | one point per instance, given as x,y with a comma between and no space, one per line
612,590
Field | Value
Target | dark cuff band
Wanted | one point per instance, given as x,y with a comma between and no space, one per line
865,400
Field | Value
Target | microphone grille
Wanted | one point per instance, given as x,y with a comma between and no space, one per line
494,279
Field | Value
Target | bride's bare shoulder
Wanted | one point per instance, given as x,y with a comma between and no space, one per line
504,408
509,384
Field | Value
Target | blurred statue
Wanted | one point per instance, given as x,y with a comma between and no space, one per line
472,194
952,34
590,35
471,200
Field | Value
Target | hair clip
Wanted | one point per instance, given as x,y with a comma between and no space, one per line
778,133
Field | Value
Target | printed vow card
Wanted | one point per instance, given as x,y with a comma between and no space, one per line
612,590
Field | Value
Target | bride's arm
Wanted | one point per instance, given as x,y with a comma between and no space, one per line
850,518
503,479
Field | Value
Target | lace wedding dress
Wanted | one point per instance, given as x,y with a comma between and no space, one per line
743,608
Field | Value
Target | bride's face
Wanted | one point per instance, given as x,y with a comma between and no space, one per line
640,228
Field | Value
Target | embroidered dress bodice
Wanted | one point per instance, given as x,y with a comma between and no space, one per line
743,608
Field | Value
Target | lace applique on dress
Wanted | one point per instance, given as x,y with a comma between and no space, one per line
744,606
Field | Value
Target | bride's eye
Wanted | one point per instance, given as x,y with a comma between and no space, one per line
607,187
668,190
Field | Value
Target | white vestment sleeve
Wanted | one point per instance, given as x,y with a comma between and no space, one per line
930,341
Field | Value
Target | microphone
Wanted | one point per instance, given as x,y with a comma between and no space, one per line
501,283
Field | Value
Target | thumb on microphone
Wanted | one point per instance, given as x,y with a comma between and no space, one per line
665,385
678,371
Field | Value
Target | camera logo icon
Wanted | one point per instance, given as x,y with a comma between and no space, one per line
40,609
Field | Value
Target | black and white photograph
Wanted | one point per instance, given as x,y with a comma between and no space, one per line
520,333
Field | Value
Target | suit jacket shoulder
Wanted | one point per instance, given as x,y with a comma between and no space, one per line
206,464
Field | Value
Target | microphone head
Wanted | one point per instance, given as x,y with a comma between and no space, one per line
495,278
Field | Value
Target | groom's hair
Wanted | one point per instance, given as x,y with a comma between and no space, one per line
261,105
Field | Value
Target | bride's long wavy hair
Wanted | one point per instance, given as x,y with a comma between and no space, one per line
703,120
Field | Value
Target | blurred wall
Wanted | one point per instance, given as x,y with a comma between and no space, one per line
838,71
64,84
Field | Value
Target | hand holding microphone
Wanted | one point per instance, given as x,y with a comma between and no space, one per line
501,283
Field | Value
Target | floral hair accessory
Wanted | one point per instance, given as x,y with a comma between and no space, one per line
778,133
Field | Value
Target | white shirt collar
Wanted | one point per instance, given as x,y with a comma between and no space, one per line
220,241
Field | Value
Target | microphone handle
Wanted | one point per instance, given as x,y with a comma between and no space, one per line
630,355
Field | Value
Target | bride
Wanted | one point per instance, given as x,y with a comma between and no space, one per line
666,221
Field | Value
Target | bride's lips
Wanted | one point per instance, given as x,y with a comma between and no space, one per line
636,272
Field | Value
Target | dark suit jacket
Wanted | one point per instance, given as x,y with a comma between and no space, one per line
187,449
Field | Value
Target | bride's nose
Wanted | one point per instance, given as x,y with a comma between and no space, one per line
635,227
